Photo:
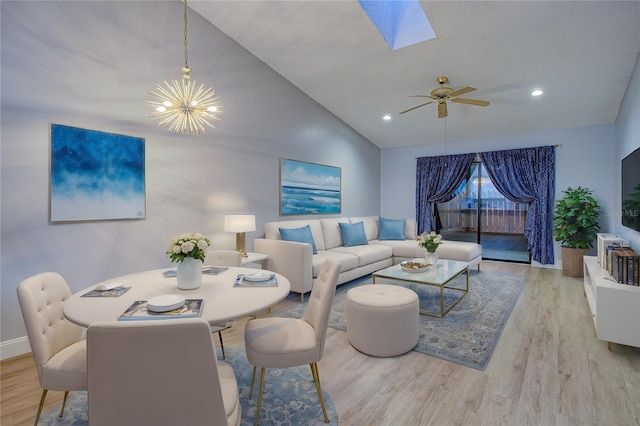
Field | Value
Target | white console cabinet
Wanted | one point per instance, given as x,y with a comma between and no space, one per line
615,307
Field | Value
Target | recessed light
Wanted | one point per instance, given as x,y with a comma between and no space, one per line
537,92
386,117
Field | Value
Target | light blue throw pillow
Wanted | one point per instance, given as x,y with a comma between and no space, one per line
353,234
299,235
391,229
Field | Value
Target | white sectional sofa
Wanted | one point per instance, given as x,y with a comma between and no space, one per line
297,262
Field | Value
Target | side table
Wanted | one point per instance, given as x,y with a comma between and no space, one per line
255,258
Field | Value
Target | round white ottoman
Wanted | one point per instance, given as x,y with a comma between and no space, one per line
382,320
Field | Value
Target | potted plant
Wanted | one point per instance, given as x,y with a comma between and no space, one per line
575,225
430,241
189,251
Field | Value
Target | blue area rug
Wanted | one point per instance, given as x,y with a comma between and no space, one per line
468,334
289,398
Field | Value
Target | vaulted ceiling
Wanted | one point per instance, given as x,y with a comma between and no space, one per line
581,54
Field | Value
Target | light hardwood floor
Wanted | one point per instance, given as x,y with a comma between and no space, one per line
548,369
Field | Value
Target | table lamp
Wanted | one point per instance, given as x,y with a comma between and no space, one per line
240,223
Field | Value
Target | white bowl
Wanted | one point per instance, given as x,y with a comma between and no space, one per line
257,277
165,303
414,267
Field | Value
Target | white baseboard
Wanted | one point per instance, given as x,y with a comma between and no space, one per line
15,347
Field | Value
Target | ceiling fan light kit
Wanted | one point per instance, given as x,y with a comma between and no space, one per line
443,94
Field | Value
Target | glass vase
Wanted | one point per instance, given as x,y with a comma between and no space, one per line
189,274
430,258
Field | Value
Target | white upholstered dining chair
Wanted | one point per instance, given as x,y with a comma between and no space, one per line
274,342
219,257
160,372
58,349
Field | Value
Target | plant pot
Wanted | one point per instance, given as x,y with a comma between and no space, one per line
430,258
189,274
572,262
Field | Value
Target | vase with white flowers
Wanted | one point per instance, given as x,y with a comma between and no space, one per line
430,241
189,251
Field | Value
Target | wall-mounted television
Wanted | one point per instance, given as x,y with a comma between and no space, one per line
631,190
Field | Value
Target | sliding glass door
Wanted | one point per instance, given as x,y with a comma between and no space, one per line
479,213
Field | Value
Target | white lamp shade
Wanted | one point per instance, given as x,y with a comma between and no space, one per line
240,223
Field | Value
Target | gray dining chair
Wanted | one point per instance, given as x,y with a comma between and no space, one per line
58,349
275,342
159,372
219,257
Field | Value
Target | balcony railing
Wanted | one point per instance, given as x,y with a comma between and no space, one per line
497,215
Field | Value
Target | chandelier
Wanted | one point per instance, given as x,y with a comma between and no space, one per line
182,106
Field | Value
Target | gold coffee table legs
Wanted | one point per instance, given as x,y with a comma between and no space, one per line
442,288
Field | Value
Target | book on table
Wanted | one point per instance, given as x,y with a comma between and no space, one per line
192,308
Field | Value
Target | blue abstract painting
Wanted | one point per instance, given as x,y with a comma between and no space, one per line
96,175
308,188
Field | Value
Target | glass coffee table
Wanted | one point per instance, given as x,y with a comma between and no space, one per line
439,275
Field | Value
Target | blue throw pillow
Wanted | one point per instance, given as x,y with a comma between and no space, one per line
391,229
299,235
353,234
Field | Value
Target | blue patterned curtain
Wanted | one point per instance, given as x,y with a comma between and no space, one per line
528,176
437,179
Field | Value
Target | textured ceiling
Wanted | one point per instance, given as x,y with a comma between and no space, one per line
581,53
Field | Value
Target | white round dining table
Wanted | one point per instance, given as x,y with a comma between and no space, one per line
221,300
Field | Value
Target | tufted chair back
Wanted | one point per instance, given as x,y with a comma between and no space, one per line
224,258
58,349
41,298
319,307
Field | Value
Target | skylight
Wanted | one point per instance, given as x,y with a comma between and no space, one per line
401,23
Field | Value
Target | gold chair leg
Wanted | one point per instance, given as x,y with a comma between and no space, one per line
316,379
253,380
260,395
64,402
44,395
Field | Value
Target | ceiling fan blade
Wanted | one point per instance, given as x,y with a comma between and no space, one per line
421,96
416,107
470,101
461,92
442,110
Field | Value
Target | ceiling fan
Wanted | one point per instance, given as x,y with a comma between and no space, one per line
443,94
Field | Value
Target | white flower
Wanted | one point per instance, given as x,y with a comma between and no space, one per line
192,245
187,246
430,241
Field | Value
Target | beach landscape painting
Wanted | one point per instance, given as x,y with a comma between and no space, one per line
309,188
95,175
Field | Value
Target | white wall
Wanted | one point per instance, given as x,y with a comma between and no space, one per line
91,64
584,157
587,156
628,140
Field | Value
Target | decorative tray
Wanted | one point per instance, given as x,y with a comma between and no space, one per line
414,267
